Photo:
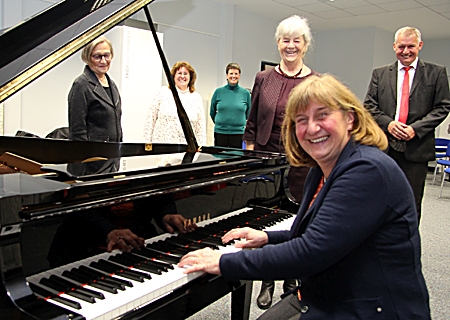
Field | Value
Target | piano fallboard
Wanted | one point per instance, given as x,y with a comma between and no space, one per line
44,227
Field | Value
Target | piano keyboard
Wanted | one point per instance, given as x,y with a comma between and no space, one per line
110,285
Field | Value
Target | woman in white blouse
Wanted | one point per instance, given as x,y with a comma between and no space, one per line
163,124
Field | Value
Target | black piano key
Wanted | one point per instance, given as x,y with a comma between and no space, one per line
261,210
189,244
69,284
137,262
178,241
166,247
74,293
258,225
99,284
81,296
211,234
55,286
164,252
201,232
224,226
127,262
210,241
192,236
108,269
151,253
142,274
118,271
160,265
116,283
99,275
147,253
48,295
76,277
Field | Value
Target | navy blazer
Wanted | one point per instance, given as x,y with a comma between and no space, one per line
429,104
92,114
356,250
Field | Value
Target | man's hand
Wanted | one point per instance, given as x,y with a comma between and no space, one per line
206,260
176,223
410,132
123,239
252,238
401,131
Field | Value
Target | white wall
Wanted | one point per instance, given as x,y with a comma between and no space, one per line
253,41
42,106
336,53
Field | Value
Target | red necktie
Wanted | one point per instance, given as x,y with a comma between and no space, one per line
404,102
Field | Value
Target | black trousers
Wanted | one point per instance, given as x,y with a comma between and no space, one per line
228,140
416,173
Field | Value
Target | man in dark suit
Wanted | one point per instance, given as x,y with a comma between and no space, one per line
411,138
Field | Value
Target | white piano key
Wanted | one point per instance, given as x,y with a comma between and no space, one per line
116,305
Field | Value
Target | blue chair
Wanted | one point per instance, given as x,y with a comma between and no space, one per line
446,171
443,160
441,147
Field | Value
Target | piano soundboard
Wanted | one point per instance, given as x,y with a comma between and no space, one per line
110,285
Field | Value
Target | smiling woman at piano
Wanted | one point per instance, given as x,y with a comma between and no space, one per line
355,244
94,101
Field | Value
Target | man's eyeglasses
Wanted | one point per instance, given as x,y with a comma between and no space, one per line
99,57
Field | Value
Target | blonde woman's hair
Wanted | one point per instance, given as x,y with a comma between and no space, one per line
87,50
330,92
192,73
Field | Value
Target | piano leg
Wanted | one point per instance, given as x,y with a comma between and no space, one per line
241,299
215,287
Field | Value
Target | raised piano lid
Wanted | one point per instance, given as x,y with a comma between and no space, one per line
39,43
45,40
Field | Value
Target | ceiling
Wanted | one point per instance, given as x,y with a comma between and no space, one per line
431,17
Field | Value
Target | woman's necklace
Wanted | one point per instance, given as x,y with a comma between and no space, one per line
288,76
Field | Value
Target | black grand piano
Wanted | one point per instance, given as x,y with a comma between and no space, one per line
53,262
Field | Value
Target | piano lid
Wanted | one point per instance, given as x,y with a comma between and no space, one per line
43,41
39,43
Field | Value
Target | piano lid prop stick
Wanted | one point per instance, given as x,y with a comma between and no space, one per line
185,123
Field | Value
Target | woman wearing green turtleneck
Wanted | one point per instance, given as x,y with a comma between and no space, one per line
230,107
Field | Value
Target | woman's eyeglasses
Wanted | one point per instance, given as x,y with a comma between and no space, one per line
99,57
